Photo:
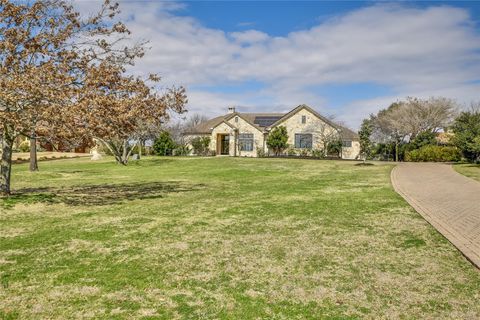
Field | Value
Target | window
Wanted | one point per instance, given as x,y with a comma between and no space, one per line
303,141
245,141
304,119
347,143
236,119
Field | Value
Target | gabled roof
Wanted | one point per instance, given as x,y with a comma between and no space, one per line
347,134
301,107
256,118
207,126
247,117
266,121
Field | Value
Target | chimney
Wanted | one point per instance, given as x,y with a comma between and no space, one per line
231,109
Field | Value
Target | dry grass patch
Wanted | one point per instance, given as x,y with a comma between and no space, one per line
241,239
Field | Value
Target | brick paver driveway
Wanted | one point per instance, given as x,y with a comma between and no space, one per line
447,200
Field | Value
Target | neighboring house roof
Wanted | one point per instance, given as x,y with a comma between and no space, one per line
347,134
265,121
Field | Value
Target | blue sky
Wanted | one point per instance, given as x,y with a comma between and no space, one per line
278,18
346,59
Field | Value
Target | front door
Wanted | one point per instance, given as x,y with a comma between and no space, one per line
224,144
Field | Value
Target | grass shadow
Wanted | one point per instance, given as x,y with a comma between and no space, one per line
364,164
97,195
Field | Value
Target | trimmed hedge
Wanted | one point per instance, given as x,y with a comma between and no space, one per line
434,154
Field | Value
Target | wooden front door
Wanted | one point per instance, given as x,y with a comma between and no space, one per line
223,144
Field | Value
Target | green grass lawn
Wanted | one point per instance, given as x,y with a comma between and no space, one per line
223,238
469,170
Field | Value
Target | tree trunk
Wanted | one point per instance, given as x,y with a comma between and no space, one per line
33,153
125,153
6,165
139,147
396,151
120,150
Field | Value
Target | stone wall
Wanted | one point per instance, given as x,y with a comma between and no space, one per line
352,152
223,128
319,129
245,127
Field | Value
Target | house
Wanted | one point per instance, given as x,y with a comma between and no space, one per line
245,134
22,144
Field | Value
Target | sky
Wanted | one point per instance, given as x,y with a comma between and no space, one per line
345,59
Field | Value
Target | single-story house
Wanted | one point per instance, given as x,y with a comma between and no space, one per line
245,134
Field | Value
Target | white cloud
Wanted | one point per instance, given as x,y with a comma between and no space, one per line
424,51
249,36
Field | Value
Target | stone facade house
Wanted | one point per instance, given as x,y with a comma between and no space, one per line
245,134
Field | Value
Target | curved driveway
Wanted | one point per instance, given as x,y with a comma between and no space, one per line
449,201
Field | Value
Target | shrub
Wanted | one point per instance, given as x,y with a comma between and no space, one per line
261,153
305,152
24,146
434,154
318,153
291,152
182,150
277,140
164,144
200,145
334,148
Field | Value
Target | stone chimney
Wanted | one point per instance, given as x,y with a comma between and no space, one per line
231,109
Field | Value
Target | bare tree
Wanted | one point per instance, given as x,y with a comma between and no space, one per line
326,135
193,121
404,120
178,128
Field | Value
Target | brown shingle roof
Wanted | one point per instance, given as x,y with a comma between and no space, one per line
207,126
252,118
347,134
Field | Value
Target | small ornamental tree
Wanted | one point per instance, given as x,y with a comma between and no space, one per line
164,144
277,140
365,143
120,107
334,147
467,134
200,145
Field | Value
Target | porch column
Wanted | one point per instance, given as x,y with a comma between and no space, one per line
235,142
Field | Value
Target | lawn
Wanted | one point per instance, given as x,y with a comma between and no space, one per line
469,170
223,238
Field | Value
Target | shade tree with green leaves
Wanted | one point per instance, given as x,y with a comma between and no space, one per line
466,129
